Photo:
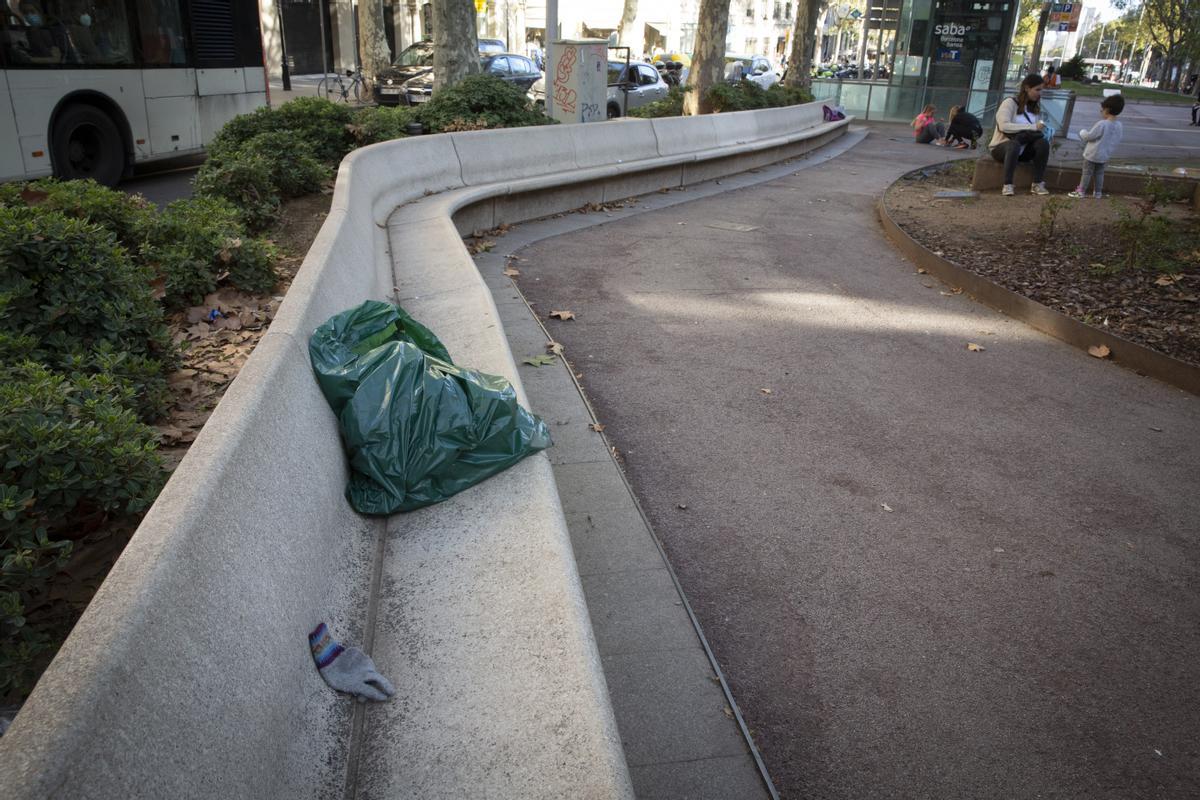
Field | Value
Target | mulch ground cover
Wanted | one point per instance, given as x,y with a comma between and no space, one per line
1072,255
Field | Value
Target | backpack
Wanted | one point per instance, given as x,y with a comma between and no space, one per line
833,114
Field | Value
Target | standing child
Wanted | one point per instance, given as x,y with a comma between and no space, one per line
1101,141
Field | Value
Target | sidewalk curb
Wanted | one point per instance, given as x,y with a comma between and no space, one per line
1130,355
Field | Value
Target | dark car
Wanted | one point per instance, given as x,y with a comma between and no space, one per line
414,61
412,83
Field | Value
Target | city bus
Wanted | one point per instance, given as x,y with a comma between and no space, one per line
89,88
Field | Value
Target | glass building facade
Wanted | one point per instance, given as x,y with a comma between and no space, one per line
945,52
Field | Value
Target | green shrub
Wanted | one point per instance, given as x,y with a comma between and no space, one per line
244,179
71,454
1151,239
123,214
71,292
292,167
669,106
779,95
381,124
291,160
10,195
197,243
320,123
746,95
478,102
742,96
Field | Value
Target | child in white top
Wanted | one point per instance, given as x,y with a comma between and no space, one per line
1100,141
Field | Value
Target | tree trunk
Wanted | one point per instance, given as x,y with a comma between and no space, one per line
799,72
373,52
626,34
455,42
708,62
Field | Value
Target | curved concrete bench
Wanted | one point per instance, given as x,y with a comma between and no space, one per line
189,673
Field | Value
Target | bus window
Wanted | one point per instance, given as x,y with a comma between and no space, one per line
163,41
57,32
98,33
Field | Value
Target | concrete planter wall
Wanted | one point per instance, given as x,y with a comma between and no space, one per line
989,175
189,674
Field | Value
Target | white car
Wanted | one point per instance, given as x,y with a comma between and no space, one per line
756,69
640,85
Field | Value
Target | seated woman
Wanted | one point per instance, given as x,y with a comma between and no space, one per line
964,127
1018,135
927,129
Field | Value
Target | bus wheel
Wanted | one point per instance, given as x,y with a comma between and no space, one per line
86,144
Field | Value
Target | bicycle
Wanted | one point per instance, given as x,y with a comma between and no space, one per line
336,87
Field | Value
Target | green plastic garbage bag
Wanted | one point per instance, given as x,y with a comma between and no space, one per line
416,427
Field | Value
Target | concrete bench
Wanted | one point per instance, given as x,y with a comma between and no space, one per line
189,674
989,175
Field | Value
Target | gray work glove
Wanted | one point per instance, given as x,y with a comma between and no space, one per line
347,669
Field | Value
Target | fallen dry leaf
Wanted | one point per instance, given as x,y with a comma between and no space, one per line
596,426
554,347
975,348
922,271
33,197
197,314
765,390
1099,351
511,272
885,507
230,323
562,315
1168,280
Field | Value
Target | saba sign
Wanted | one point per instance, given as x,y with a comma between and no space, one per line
950,40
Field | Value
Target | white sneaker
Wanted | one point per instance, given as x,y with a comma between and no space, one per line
1076,193
1039,188
1007,191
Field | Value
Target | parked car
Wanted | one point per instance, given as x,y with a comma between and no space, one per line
410,80
756,69
491,46
627,88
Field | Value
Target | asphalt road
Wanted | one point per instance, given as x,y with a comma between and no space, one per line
1149,131
927,572
162,187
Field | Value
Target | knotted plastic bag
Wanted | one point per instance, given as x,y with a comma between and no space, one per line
416,427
